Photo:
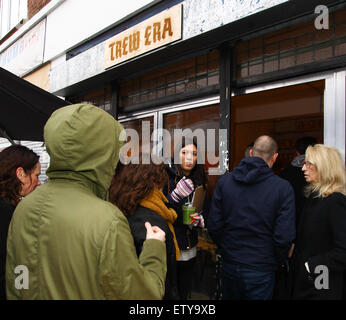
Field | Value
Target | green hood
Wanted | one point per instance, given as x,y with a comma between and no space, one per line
83,144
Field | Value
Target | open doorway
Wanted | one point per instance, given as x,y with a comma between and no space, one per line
286,114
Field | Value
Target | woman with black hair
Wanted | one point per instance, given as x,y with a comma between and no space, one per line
184,177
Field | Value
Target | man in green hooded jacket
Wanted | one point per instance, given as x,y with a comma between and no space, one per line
68,242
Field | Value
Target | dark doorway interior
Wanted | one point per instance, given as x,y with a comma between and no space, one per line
286,114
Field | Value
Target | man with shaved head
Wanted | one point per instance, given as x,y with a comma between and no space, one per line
252,221
266,148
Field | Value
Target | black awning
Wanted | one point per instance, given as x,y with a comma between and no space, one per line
24,108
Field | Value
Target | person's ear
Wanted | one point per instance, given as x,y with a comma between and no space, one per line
20,174
272,160
251,153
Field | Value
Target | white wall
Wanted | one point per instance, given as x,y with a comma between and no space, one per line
75,21
4,143
334,111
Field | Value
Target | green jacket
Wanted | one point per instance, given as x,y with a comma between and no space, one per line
74,244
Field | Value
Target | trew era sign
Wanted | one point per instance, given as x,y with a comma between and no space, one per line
150,34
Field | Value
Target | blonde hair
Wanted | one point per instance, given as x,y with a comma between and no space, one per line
330,170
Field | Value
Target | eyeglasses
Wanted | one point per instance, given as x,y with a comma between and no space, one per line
307,164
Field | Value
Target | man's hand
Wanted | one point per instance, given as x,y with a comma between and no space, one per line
155,232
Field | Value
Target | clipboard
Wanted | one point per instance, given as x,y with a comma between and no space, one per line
198,199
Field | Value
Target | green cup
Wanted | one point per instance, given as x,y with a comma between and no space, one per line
187,211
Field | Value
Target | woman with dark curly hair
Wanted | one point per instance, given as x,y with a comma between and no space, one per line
136,190
19,171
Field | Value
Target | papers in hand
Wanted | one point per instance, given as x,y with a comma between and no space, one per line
198,199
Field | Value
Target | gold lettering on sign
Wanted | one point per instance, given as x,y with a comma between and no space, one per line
150,34
167,27
111,46
156,32
118,50
134,41
125,45
147,35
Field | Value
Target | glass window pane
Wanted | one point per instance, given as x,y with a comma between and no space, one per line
290,47
140,126
189,75
101,98
198,118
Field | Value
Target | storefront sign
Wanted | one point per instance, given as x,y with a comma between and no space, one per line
150,34
26,53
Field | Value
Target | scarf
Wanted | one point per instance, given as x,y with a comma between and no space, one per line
156,202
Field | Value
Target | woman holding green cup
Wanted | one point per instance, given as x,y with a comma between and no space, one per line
184,177
188,212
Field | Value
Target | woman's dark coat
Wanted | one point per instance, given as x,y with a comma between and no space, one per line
187,237
138,230
321,240
6,212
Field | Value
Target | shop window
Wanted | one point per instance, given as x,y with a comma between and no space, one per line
145,144
291,47
187,76
101,98
198,118
204,118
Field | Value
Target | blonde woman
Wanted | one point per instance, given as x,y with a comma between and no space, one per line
319,259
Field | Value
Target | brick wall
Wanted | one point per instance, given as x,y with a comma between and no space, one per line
35,6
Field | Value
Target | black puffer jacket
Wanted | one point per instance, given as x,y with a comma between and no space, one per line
138,230
187,236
